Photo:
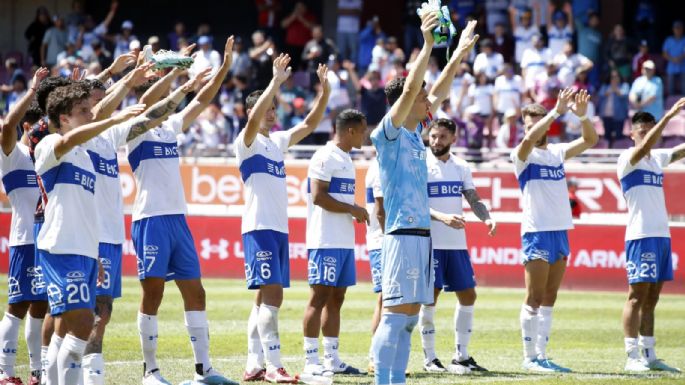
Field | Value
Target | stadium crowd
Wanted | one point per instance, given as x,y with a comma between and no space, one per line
529,50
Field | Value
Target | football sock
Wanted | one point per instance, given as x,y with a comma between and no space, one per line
544,330
463,321
529,330
427,329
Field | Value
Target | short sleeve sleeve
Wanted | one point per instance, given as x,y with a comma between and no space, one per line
376,185
282,140
519,165
117,134
100,30
623,166
559,150
174,123
468,178
47,36
45,154
663,157
321,168
385,132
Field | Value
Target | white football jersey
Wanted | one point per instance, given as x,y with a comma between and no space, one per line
21,188
642,186
446,183
325,229
542,180
263,173
71,215
153,157
374,233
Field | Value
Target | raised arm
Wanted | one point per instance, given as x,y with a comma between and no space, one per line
109,104
354,78
589,137
80,135
412,86
480,210
209,91
541,126
312,120
321,198
641,150
9,132
254,119
441,88
121,63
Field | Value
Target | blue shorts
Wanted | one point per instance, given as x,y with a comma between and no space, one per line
649,260
24,279
110,257
453,270
165,248
550,246
267,258
375,265
71,280
38,262
331,267
407,270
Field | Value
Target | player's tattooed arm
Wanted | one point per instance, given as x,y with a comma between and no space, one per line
539,129
641,150
480,210
9,132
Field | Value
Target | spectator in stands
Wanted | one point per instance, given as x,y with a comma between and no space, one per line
613,107
241,61
674,53
534,61
524,33
69,52
590,44
124,39
54,41
556,129
213,129
572,124
203,29
560,31
503,43
206,56
348,28
153,42
261,54
459,89
640,57
511,130
576,208
179,32
507,91
582,82
288,92
35,33
488,61
367,41
496,12
89,33
75,19
570,64
100,54
372,95
317,51
473,125
12,70
235,121
647,91
645,22
617,51
337,79
298,31
412,24
481,94
432,72
267,19
19,87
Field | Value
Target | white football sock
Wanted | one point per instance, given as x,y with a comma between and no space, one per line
544,330
631,347
50,370
9,342
268,334
32,333
255,354
69,360
426,316
93,369
43,363
311,351
330,352
147,327
198,330
463,321
529,330
647,344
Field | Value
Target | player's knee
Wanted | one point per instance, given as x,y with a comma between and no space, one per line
18,309
336,298
103,310
467,297
319,298
650,300
534,299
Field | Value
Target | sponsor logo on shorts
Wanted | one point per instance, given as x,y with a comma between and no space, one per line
263,255
34,271
646,257
151,249
106,261
539,254
413,274
329,260
75,276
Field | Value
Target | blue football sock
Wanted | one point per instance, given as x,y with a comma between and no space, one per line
399,366
385,345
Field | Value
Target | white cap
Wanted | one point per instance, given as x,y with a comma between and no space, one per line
648,64
127,24
134,44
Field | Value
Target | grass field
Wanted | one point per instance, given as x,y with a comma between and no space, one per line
586,336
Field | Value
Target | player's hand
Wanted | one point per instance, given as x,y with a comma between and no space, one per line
492,227
41,73
467,40
360,214
453,221
78,74
280,68
139,75
429,21
197,81
563,100
128,113
101,273
675,109
122,62
322,73
187,50
228,51
581,101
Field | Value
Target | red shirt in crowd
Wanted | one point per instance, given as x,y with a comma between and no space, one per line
298,34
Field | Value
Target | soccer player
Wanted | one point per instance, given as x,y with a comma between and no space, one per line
374,240
24,277
69,253
331,212
539,168
162,239
407,271
265,220
449,178
648,240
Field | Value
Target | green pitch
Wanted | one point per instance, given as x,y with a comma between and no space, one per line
586,336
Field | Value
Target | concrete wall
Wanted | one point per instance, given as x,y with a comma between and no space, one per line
16,15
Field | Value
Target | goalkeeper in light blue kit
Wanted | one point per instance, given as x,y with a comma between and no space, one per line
407,270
